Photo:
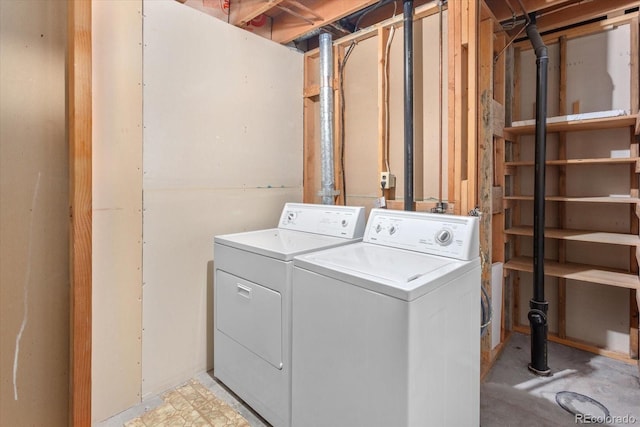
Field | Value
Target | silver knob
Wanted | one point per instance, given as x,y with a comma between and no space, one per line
444,237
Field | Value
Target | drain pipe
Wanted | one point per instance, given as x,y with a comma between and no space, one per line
328,191
538,306
408,104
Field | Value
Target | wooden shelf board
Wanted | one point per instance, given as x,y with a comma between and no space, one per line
579,235
577,125
577,162
582,272
602,199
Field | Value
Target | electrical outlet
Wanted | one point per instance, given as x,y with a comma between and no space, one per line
387,180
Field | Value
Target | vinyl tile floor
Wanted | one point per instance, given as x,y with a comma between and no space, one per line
509,396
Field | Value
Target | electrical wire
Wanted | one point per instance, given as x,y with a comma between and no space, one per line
341,66
487,311
386,97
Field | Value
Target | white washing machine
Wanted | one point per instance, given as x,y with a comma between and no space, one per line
252,301
386,332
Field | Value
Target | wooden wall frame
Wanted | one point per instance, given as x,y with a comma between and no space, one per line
80,208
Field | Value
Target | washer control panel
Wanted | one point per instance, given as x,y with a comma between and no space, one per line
329,220
437,234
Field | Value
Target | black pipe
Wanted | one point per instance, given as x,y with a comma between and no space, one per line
538,305
408,104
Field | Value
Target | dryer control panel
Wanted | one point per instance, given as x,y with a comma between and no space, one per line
330,220
437,234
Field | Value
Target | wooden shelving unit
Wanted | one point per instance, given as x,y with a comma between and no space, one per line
576,266
580,235
560,267
596,199
577,125
581,272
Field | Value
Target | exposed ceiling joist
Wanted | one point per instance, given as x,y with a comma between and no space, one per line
581,12
506,9
287,27
558,13
243,11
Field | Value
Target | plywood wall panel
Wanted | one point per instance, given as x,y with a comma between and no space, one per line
117,212
34,198
222,153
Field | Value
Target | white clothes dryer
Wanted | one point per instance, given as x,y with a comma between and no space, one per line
252,300
386,332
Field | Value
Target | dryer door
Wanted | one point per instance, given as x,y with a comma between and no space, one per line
251,315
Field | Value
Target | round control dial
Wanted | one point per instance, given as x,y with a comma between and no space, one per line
444,237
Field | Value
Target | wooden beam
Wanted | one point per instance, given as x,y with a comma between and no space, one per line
635,68
80,208
241,12
309,184
383,111
472,106
286,28
454,57
304,8
484,118
504,10
581,12
297,14
581,30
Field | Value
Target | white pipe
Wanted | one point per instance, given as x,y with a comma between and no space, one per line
326,119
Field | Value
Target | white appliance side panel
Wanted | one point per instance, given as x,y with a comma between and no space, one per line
444,355
349,353
251,315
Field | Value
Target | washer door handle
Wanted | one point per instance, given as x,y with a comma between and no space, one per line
243,290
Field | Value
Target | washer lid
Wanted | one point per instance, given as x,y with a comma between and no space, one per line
279,243
399,273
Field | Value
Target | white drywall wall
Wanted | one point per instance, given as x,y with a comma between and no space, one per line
222,153
117,207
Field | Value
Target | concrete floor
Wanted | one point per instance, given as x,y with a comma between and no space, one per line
510,394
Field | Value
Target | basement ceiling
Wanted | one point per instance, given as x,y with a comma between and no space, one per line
298,22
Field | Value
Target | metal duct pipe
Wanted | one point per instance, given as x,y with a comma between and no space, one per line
326,119
538,305
408,104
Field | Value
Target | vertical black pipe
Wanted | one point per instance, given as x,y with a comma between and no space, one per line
538,305
408,105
